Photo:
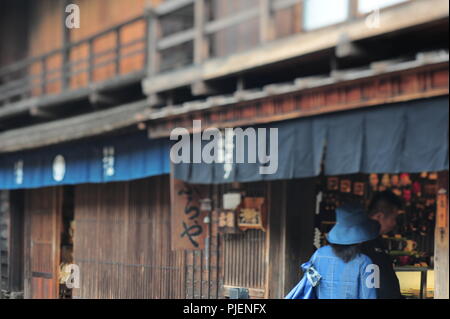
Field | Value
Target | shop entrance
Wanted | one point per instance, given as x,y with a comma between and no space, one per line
411,244
42,229
48,216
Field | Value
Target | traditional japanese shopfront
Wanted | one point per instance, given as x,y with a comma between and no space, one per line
88,203
223,229
270,224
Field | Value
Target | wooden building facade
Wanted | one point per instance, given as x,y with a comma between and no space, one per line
150,66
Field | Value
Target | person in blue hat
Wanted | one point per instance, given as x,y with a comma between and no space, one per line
345,272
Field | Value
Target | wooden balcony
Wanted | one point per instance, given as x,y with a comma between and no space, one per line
166,56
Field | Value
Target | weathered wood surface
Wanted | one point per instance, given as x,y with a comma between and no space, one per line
393,19
309,96
441,249
245,257
306,97
122,245
188,229
42,242
73,128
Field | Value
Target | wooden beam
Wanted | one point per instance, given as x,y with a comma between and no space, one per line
238,17
74,128
176,39
346,48
326,38
155,99
98,99
21,107
284,4
163,82
203,88
170,6
45,114
334,94
394,19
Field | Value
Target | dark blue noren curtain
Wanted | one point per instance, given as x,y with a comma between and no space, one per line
403,137
300,149
101,160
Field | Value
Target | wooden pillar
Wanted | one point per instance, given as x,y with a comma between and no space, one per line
299,21
266,23
152,43
353,10
200,41
276,240
91,61
118,50
4,240
16,246
300,212
291,229
65,68
43,75
441,262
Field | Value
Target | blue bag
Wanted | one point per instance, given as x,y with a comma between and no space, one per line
305,289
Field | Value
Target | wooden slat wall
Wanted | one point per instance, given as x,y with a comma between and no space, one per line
204,269
46,34
122,245
244,256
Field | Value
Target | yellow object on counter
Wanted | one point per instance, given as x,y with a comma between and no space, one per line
410,283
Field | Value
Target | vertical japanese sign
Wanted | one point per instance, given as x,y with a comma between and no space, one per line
442,209
189,230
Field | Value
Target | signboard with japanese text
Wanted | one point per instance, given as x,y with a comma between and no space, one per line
442,209
188,226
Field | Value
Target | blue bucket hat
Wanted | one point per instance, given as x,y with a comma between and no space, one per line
353,226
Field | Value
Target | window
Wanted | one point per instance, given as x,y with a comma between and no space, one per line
320,13
365,6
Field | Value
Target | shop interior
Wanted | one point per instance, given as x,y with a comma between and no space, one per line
411,243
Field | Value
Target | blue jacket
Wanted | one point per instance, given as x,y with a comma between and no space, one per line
342,280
